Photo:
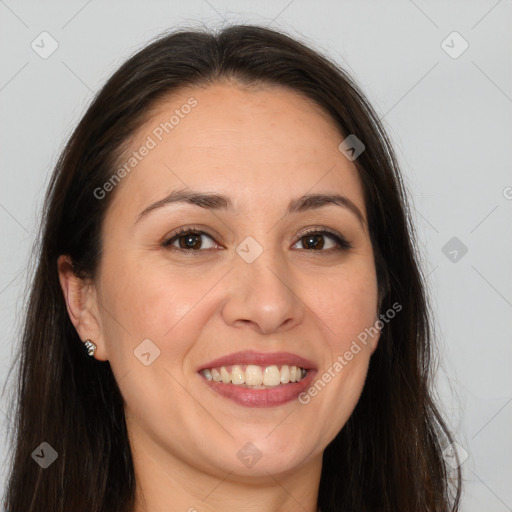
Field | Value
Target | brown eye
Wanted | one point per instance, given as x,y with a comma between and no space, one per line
315,241
191,241
188,240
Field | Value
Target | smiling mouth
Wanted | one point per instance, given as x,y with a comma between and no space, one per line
254,376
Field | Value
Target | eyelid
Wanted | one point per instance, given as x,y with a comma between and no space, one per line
168,239
343,243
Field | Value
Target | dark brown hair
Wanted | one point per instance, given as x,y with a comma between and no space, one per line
388,456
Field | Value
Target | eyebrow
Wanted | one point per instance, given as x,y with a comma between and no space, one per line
211,201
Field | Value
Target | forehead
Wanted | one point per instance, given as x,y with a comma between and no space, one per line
229,117
250,143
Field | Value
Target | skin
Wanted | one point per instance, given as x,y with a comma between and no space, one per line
262,147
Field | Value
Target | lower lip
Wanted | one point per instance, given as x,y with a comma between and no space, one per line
270,397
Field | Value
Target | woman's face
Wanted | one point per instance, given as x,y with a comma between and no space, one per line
249,288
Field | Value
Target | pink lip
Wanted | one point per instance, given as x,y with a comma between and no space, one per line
260,359
271,397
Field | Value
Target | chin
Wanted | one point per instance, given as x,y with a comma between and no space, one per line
274,454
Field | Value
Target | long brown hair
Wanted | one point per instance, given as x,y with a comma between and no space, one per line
388,456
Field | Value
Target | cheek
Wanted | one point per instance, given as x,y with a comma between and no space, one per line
346,309
167,307
346,303
158,305
151,301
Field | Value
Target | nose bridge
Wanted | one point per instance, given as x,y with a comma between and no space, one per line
262,291
261,265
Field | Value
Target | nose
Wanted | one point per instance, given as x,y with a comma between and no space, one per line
261,294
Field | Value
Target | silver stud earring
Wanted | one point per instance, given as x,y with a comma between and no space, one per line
91,347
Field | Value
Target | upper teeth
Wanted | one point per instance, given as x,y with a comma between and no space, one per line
253,375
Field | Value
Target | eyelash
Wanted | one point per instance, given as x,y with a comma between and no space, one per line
342,243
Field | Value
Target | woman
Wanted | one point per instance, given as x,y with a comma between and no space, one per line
227,309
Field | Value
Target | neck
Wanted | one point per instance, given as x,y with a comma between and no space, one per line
171,484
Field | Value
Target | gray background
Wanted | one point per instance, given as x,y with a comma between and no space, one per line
450,120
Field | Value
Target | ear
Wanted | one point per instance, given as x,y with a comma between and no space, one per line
82,306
